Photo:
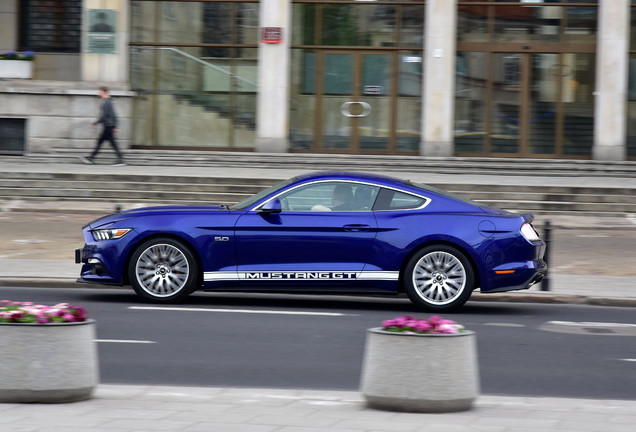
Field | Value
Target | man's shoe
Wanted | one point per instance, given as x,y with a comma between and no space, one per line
120,163
87,160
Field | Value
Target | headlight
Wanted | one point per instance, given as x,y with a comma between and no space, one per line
110,234
529,232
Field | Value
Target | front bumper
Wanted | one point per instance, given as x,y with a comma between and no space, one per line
93,268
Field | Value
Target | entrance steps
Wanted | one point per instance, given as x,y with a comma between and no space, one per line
543,187
375,163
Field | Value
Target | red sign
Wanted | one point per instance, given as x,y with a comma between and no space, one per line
271,35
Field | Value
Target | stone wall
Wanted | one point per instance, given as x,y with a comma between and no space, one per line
59,114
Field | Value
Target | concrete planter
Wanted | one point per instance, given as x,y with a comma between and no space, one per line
16,69
51,363
420,372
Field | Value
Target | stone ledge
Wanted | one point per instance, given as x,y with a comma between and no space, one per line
77,88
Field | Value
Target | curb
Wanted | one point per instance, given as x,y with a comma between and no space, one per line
554,299
51,282
539,298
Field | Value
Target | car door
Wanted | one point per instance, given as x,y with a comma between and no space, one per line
313,239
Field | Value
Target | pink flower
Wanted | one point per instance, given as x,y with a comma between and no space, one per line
432,325
423,327
27,312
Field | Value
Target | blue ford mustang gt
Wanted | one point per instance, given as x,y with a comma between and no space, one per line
328,232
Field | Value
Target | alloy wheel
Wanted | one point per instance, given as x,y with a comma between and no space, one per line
439,278
162,270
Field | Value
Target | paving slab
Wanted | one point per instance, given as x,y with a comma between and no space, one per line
187,409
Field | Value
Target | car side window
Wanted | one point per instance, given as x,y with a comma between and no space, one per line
330,196
389,199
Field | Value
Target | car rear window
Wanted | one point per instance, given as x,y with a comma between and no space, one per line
390,199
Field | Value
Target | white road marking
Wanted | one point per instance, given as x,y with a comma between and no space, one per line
243,311
591,324
591,328
124,341
495,324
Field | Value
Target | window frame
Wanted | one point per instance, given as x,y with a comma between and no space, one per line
373,208
385,190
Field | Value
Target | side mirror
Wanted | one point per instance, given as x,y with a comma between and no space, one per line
271,206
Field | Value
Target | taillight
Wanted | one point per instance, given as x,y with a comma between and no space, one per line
529,232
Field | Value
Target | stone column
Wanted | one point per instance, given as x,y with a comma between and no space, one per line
274,62
107,67
438,89
8,25
612,59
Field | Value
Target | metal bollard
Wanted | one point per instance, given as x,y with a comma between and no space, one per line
547,238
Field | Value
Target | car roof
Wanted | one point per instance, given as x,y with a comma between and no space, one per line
420,189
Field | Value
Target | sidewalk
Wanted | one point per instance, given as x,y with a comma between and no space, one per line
145,409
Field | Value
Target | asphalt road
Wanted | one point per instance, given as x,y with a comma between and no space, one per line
317,342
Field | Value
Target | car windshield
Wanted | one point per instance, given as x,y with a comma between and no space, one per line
254,198
428,188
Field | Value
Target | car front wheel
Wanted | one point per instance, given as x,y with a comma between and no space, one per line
439,278
163,270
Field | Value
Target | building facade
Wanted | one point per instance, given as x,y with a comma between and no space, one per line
531,79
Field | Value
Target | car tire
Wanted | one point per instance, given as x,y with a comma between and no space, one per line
163,270
439,278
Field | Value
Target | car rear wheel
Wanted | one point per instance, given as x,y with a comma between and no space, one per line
163,270
439,278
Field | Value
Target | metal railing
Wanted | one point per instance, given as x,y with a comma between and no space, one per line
202,62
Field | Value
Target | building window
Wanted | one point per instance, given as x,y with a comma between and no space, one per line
525,78
194,67
12,136
50,26
631,90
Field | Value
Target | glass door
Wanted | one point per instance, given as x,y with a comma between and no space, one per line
533,104
356,101
507,118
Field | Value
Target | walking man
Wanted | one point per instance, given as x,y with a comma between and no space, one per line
108,119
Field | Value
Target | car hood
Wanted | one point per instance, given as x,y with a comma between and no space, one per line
147,211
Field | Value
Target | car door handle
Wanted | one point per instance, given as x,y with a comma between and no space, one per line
356,227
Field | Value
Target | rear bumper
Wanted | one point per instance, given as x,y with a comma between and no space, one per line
535,279
523,277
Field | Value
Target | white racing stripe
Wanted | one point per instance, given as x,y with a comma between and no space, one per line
243,311
301,276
